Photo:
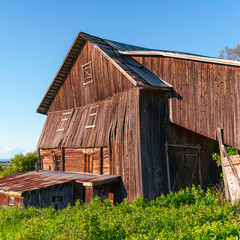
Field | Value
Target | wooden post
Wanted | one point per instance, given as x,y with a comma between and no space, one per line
111,196
220,141
200,168
101,160
232,166
88,195
36,166
168,170
63,159
39,160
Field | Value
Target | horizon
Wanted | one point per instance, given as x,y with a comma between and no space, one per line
36,37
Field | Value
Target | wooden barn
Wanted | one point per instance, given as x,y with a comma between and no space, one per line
148,116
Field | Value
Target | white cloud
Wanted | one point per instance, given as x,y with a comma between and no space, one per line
9,152
6,149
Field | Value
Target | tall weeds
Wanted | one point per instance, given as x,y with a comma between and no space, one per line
188,214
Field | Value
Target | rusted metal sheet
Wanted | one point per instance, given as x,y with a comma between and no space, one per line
232,180
23,182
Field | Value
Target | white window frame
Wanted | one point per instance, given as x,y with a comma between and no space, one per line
63,122
92,115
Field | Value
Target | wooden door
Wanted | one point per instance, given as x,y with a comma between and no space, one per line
184,166
88,163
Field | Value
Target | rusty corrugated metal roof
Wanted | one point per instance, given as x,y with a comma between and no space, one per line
28,181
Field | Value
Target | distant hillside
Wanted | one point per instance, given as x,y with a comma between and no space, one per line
4,160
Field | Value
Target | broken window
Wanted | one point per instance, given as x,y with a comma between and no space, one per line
91,123
63,122
87,73
57,199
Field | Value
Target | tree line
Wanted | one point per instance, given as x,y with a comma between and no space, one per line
20,163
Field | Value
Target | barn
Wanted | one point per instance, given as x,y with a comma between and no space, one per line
144,119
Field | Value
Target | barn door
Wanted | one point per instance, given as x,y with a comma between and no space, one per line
183,165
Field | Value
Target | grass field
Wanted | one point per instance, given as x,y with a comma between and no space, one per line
188,214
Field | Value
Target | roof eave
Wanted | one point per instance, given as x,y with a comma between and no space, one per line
182,56
62,74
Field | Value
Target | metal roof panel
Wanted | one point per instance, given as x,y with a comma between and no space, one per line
29,181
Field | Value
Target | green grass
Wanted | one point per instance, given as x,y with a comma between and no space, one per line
188,214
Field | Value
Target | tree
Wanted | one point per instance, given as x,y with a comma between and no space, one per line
21,163
230,53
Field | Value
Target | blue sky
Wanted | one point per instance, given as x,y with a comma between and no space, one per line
36,35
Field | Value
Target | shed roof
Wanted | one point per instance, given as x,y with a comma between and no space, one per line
133,70
28,181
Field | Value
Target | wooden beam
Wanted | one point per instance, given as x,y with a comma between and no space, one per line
185,146
220,141
232,166
168,170
101,160
88,195
181,56
62,159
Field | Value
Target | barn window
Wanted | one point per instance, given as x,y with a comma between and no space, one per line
63,122
87,73
91,123
57,198
58,162
88,163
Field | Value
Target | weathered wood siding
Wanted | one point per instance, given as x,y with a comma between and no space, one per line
5,200
117,127
179,135
43,197
153,108
107,81
50,136
208,95
154,131
74,160
47,159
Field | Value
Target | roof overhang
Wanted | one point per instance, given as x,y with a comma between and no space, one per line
24,182
182,56
62,74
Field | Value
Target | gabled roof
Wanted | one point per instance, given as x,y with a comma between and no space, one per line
120,54
134,71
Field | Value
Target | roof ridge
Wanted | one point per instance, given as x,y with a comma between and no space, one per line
128,49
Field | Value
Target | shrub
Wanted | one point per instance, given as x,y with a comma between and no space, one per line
20,163
187,214
216,156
